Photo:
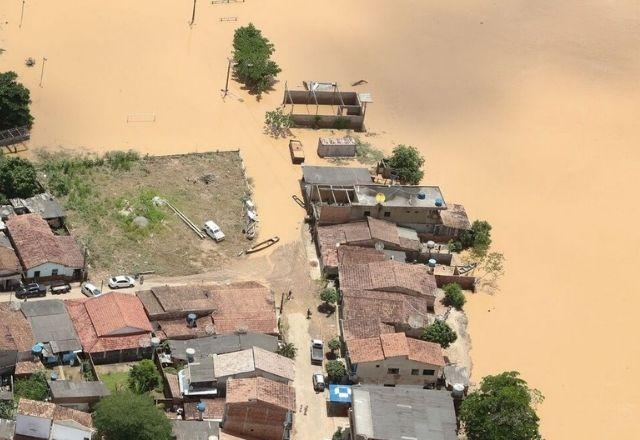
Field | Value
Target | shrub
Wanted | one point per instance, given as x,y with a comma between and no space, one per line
440,333
252,53
34,387
407,162
477,238
329,295
121,160
277,122
143,377
453,296
335,344
125,416
18,178
288,350
338,434
14,102
336,370
501,409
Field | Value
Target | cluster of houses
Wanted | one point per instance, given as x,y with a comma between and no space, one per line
386,247
214,345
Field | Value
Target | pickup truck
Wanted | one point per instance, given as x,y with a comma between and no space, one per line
58,288
317,351
31,290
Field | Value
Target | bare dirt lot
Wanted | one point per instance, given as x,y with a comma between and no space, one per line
208,186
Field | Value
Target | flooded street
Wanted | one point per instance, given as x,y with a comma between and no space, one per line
526,112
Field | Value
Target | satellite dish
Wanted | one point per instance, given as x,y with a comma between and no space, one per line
379,246
380,198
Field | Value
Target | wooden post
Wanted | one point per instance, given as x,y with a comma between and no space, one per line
42,71
21,14
193,14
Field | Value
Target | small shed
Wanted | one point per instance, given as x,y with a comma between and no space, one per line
77,395
297,153
337,147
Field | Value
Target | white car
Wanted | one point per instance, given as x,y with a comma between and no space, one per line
318,382
90,290
121,281
213,230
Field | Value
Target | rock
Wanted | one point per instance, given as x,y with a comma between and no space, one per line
141,222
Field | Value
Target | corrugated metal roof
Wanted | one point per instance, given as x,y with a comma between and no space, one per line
335,175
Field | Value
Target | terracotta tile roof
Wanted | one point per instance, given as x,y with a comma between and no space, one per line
178,328
25,368
185,298
262,390
112,312
347,255
365,350
255,358
455,217
174,385
392,276
364,328
92,342
426,352
9,263
36,244
388,307
53,412
394,345
383,230
274,363
213,409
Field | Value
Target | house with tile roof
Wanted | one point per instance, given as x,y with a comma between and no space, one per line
10,268
259,408
112,327
42,254
394,359
44,420
219,308
16,338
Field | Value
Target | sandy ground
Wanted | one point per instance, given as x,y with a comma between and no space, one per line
527,113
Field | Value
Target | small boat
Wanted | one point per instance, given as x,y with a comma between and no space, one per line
261,246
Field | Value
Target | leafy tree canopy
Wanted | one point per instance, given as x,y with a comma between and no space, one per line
336,370
288,350
335,343
143,377
478,238
18,178
440,333
125,416
34,387
501,409
407,162
14,102
329,295
252,53
453,296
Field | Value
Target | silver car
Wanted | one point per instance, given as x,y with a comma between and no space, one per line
318,382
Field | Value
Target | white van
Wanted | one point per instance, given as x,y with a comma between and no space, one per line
213,230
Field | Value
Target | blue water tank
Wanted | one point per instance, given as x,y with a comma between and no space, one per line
439,202
201,407
54,376
422,195
191,319
37,349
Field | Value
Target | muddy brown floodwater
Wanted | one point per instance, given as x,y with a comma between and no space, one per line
526,111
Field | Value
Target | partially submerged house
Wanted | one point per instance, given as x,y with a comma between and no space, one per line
43,255
196,310
112,327
259,408
44,420
80,395
44,205
393,359
220,344
53,330
391,413
369,233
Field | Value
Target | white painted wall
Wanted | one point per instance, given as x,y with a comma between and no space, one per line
60,432
368,372
34,426
46,269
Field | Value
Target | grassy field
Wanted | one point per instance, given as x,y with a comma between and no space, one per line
103,195
115,381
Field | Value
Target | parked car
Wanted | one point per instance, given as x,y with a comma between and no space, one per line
317,351
90,290
213,230
318,382
60,287
32,290
121,281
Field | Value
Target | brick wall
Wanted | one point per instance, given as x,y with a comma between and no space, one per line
255,419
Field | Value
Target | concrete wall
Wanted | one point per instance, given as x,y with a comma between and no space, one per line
376,372
255,419
60,432
467,283
412,217
33,426
117,356
329,121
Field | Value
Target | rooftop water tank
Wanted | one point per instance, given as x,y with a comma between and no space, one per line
431,244
190,354
191,319
155,342
431,262
201,407
421,195
54,376
37,349
439,202
458,390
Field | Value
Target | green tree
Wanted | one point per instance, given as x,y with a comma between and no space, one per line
335,344
440,333
453,296
34,387
14,102
336,370
277,123
288,350
503,408
18,178
252,53
478,238
125,416
8,409
329,295
143,377
338,434
407,162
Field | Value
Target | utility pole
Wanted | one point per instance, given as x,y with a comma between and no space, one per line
21,14
42,71
193,14
226,84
